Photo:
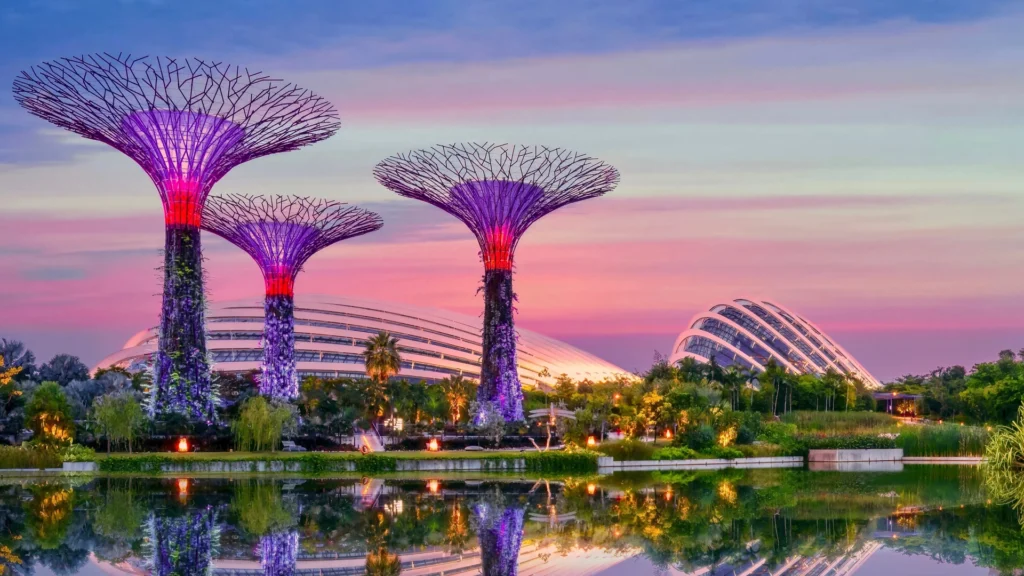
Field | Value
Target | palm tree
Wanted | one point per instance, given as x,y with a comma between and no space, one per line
382,362
382,358
457,392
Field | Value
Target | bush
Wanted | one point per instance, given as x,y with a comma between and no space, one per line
701,438
49,416
726,453
777,432
676,453
1005,451
627,450
26,457
570,461
745,436
77,453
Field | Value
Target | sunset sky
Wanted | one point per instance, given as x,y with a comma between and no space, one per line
861,163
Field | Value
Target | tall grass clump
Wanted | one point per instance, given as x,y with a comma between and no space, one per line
834,423
29,457
627,450
943,440
1005,450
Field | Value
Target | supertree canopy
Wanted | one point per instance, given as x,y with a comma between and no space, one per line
498,191
281,233
500,533
186,122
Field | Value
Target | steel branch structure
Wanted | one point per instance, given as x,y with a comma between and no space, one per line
281,233
186,122
498,191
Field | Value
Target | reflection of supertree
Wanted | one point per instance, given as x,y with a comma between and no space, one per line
186,122
281,233
277,553
500,532
184,545
498,191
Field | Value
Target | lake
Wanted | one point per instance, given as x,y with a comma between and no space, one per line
922,520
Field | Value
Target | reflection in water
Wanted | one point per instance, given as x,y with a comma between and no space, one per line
755,522
184,545
500,535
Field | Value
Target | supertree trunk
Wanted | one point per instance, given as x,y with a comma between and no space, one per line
278,552
499,378
182,371
279,379
500,536
183,546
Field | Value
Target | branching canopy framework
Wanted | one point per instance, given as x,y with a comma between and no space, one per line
282,232
185,121
498,190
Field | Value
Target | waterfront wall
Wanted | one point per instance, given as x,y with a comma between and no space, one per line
870,455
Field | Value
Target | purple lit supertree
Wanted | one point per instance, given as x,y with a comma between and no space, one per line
281,233
500,533
186,122
498,191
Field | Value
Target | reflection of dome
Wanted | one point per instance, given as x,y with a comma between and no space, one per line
749,332
331,331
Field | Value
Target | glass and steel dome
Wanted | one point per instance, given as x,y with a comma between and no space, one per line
331,332
749,332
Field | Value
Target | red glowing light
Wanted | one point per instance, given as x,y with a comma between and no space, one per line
183,486
433,445
591,441
498,242
591,489
182,445
183,204
279,281
433,486
668,434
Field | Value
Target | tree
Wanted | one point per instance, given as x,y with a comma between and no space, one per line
63,369
381,357
119,416
457,392
260,424
8,390
49,416
18,356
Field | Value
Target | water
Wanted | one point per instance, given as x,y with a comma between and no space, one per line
922,520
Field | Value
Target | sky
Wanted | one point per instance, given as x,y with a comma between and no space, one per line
859,162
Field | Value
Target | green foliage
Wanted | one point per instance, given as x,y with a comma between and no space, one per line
1005,450
726,453
260,425
777,432
846,442
840,422
627,450
375,463
942,440
29,457
77,453
49,416
675,453
567,462
119,417
381,357
701,438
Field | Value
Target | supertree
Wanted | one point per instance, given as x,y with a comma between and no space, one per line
186,122
277,552
498,191
281,233
184,545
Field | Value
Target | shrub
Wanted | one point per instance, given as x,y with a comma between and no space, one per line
77,453
627,450
841,422
701,438
727,453
28,457
675,453
1005,451
745,436
574,461
777,432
